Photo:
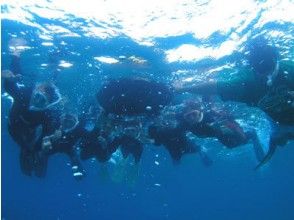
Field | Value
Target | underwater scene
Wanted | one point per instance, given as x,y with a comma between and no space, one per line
147,110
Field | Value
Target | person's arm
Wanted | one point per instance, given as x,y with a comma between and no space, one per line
205,88
114,144
12,77
9,83
138,151
236,87
205,159
15,66
48,141
77,169
286,74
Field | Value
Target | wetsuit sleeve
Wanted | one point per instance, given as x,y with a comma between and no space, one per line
81,131
10,86
15,65
286,74
115,144
236,87
278,101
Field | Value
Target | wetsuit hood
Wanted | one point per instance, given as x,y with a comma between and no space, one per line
263,58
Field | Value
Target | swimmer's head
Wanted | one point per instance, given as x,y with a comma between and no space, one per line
262,57
193,117
132,128
44,96
193,112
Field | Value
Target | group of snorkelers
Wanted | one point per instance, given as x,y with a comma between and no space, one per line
131,113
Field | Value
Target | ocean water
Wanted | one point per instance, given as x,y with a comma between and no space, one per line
88,42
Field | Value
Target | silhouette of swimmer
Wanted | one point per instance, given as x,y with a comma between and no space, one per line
31,114
127,96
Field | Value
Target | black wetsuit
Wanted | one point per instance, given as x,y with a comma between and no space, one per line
93,145
128,145
67,144
128,96
173,139
219,125
26,126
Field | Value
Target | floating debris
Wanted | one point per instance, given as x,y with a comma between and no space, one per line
65,64
148,108
74,167
77,174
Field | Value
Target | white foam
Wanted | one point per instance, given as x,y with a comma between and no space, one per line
105,59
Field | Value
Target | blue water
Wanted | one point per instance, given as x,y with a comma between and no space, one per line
163,40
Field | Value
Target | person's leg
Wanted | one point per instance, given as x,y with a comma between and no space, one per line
283,134
205,159
180,147
175,154
40,163
138,152
86,153
26,160
270,153
231,134
279,137
78,172
257,146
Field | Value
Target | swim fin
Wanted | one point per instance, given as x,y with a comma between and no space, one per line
205,159
267,157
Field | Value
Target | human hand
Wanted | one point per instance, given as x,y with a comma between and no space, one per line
57,135
46,144
8,75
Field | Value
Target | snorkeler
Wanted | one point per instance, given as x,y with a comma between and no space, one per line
95,142
205,120
31,114
121,133
66,139
268,84
94,145
129,137
128,96
74,136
